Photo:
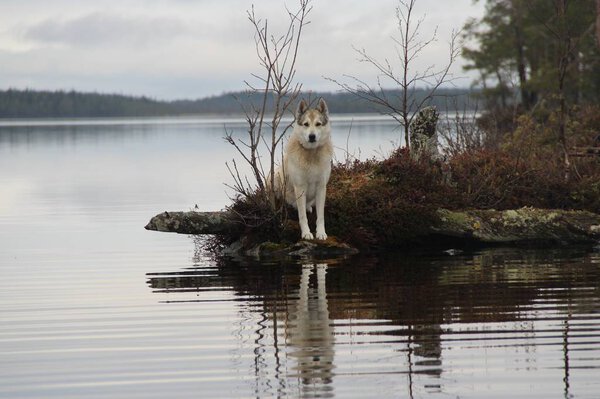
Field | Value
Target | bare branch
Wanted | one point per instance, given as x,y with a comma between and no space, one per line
277,54
407,47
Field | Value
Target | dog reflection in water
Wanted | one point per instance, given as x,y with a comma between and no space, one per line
309,332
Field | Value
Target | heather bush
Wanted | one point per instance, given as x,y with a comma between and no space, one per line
527,168
381,204
497,179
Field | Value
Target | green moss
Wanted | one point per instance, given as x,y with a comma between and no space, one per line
271,246
459,219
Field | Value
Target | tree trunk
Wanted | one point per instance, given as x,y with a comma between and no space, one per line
521,67
598,22
502,88
564,59
525,96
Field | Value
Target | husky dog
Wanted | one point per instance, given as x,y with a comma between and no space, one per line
302,178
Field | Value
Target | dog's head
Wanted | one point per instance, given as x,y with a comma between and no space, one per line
312,124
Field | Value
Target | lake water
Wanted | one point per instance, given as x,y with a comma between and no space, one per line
94,306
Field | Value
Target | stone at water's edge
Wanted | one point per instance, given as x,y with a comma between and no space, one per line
192,222
330,247
478,226
520,225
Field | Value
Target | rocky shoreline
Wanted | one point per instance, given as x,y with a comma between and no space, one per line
530,226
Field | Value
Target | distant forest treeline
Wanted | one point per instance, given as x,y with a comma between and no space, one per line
72,104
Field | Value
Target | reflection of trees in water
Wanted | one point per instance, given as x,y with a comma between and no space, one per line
419,296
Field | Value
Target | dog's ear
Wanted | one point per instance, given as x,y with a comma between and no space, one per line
322,107
302,106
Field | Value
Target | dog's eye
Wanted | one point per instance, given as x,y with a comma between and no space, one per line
306,124
318,123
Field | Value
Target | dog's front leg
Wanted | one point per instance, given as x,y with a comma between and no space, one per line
301,205
320,205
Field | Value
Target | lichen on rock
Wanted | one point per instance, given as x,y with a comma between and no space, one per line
520,225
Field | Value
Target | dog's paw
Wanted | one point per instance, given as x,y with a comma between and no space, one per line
307,236
321,236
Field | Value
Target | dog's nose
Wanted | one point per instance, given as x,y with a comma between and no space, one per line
312,138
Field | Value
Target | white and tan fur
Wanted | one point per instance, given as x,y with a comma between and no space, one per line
306,166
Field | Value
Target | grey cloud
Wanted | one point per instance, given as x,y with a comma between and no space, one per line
191,48
102,28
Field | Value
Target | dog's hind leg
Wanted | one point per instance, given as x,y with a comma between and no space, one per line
302,219
320,205
309,206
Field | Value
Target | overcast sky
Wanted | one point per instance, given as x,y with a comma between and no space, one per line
170,49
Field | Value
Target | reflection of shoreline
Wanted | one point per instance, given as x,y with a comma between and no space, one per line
496,285
308,333
414,309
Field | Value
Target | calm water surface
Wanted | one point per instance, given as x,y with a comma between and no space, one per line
92,305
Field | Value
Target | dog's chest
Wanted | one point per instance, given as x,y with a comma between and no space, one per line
317,173
310,171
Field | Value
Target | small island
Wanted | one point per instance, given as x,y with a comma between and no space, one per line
523,192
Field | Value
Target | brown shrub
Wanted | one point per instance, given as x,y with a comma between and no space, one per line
387,204
496,179
256,219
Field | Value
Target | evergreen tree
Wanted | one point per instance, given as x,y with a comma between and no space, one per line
533,50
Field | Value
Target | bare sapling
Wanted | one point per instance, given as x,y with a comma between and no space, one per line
394,93
277,91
